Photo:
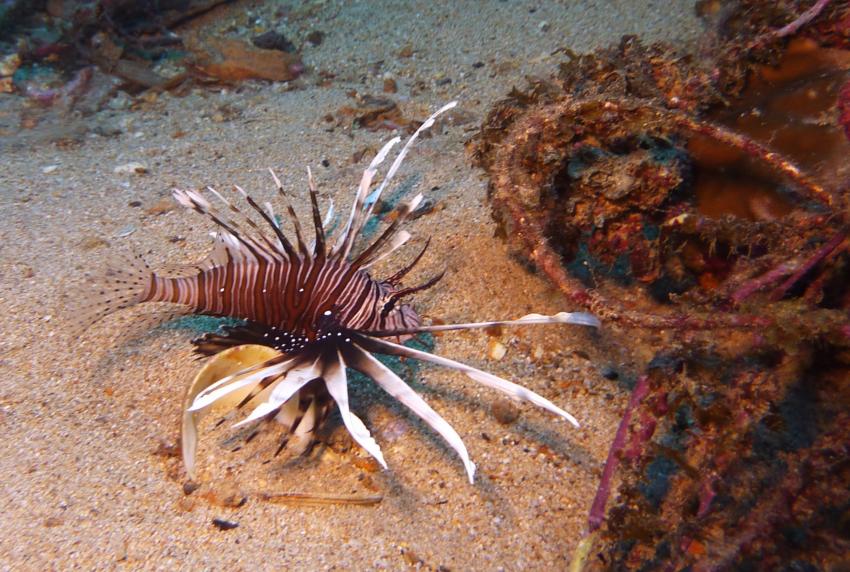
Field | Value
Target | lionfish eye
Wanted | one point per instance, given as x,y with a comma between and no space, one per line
388,307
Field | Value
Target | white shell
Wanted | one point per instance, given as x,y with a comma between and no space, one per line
228,362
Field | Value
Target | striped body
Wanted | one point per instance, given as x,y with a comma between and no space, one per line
305,299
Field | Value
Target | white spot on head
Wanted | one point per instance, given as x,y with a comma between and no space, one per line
327,313
221,290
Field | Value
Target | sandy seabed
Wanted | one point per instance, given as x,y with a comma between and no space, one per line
89,423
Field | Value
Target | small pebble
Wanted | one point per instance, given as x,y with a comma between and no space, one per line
53,521
226,495
496,350
49,169
167,449
92,242
222,524
273,41
161,207
126,231
316,37
505,411
609,372
130,169
425,207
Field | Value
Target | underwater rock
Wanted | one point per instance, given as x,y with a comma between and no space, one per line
233,60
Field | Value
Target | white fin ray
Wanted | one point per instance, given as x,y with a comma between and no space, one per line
260,241
329,214
365,363
240,248
237,381
398,241
576,318
373,198
346,238
365,201
401,214
293,216
482,377
296,378
337,384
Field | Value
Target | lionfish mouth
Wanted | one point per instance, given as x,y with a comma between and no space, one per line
279,287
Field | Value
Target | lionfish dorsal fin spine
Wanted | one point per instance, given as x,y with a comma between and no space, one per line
253,237
293,216
349,232
319,248
427,124
283,242
365,201
399,276
399,240
231,235
401,213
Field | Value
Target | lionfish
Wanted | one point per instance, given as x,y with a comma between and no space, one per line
317,305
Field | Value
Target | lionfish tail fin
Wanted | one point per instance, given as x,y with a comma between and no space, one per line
125,280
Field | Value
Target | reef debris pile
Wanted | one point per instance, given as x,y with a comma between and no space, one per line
703,199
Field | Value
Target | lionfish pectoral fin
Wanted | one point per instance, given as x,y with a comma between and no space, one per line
297,377
303,431
575,318
241,380
124,281
487,379
289,414
337,385
363,362
230,387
